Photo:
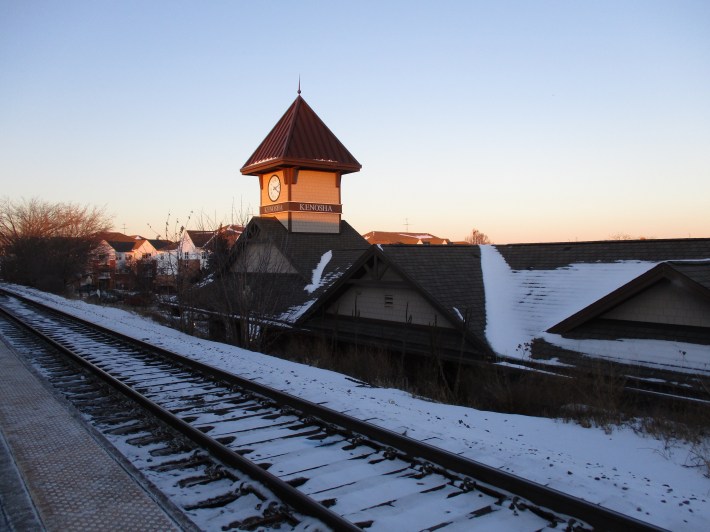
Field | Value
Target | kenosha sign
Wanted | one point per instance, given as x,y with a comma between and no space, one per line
297,206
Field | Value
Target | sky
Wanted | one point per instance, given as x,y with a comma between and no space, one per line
529,121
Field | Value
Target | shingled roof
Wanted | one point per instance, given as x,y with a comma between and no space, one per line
693,275
448,277
304,253
122,246
200,238
455,284
550,256
300,139
159,244
698,272
555,299
304,250
113,236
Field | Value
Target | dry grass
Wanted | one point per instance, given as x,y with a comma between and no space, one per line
595,398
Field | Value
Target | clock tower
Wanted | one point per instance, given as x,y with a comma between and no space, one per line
299,165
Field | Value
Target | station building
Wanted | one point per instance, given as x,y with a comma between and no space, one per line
300,265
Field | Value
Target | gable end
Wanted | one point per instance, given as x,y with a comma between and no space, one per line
664,296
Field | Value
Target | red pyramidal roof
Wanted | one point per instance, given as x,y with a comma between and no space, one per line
300,139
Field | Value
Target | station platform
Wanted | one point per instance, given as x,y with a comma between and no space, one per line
56,473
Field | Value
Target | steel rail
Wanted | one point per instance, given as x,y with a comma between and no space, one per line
281,489
599,517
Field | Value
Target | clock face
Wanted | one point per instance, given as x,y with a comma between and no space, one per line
274,188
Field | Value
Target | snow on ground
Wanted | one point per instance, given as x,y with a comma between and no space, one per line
528,302
652,480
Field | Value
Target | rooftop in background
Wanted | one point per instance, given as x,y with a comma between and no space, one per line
231,233
114,236
392,237
200,238
205,239
162,245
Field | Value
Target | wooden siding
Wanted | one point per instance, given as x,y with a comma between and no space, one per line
316,187
665,302
393,304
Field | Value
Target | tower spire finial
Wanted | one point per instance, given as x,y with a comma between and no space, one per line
299,84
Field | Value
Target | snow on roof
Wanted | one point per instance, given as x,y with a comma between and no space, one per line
413,235
458,313
292,314
318,272
527,303
390,237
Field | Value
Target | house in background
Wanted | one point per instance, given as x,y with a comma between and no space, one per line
122,262
166,265
101,270
195,247
135,266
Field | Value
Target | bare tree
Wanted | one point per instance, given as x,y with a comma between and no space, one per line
47,245
246,286
475,237
626,236
187,274
175,272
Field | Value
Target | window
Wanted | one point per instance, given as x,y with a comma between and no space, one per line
389,301
187,255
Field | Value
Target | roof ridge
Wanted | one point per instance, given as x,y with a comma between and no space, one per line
296,105
686,262
610,242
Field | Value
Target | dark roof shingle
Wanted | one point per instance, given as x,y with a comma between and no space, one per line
550,256
451,275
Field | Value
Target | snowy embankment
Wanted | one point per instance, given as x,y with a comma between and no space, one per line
649,479
528,302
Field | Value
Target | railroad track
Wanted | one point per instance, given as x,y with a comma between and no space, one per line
304,466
